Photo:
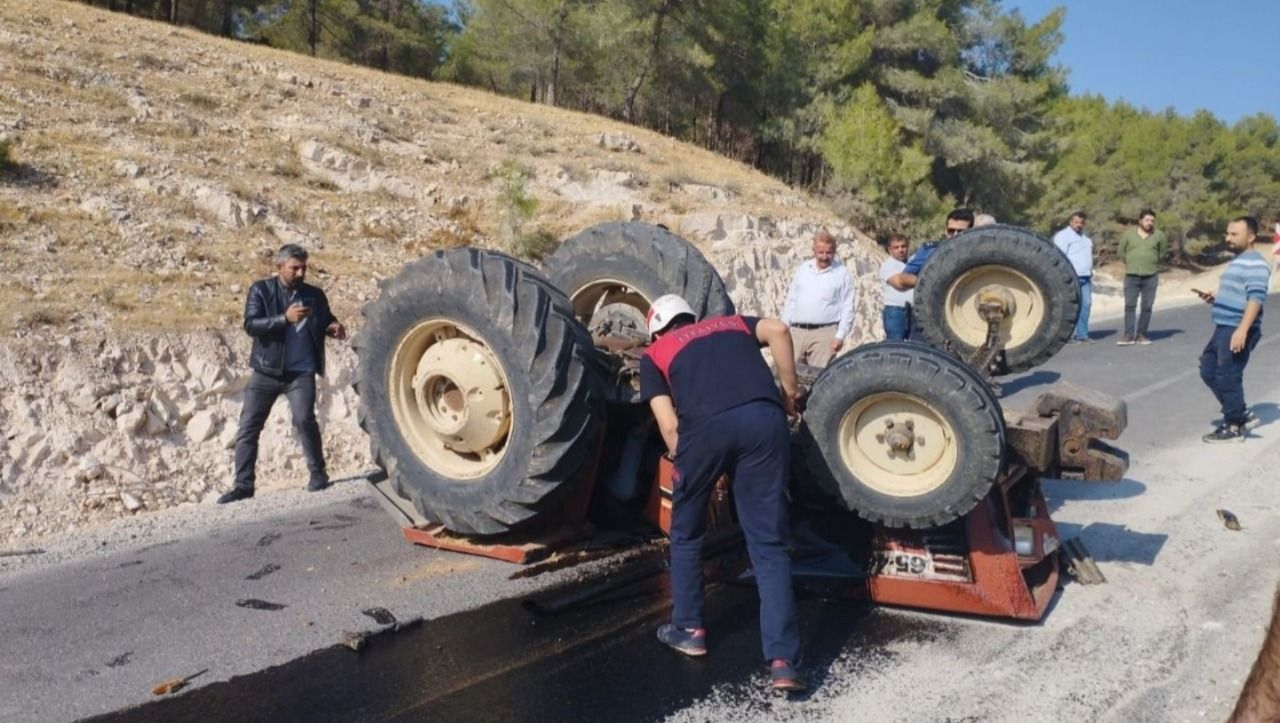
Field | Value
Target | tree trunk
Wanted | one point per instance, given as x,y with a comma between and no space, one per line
313,27
173,12
655,46
384,52
128,7
557,44
225,30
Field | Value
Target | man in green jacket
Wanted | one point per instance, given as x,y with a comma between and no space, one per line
1141,249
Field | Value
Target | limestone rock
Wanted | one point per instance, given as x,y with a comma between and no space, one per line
226,208
127,169
202,426
132,420
104,209
618,142
350,172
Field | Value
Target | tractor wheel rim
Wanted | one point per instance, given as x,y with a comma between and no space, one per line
1018,327
588,299
897,444
450,398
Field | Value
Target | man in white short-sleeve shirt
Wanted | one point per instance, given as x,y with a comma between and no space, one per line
897,304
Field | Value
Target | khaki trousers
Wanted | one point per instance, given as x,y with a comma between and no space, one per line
813,346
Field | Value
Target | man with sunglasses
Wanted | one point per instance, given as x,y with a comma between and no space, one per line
961,219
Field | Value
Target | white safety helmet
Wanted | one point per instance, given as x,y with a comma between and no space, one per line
664,311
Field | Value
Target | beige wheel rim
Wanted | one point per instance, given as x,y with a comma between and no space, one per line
897,444
1020,322
594,296
450,398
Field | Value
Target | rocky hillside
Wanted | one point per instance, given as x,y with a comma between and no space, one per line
154,170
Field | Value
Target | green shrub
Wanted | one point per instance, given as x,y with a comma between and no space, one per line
7,163
515,204
535,245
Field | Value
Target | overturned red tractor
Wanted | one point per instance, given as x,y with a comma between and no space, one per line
500,399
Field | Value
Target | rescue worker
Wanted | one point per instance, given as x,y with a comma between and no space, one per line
719,412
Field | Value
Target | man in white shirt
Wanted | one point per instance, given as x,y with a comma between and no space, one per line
819,306
897,304
1079,250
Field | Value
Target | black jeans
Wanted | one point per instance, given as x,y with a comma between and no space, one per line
1222,370
259,396
1135,286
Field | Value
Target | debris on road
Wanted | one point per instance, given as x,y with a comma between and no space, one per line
1229,520
173,685
22,553
263,571
381,616
256,604
355,641
1080,564
358,640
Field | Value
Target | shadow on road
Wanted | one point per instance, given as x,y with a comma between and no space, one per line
1267,412
1058,491
1116,543
1034,379
1163,334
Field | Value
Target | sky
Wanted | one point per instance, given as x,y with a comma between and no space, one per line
1219,55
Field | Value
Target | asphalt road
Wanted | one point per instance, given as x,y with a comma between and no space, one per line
94,636
1169,637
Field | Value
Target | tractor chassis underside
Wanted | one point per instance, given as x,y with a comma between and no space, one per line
1000,560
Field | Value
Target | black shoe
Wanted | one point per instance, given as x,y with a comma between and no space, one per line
235,495
318,483
1226,433
1251,420
1126,341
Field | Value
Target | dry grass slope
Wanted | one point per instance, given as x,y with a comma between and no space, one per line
155,168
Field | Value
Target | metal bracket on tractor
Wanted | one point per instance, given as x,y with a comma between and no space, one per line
567,527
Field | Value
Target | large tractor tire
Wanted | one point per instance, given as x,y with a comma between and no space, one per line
613,271
477,390
1026,270
903,434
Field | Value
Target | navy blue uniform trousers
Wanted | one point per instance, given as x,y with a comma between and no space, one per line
1222,370
751,444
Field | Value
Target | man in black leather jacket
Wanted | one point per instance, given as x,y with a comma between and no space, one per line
288,320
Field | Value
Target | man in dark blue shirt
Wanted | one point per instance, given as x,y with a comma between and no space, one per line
960,219
719,412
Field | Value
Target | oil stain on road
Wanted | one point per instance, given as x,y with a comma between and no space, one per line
502,662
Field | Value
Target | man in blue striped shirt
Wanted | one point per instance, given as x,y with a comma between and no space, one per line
1237,325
